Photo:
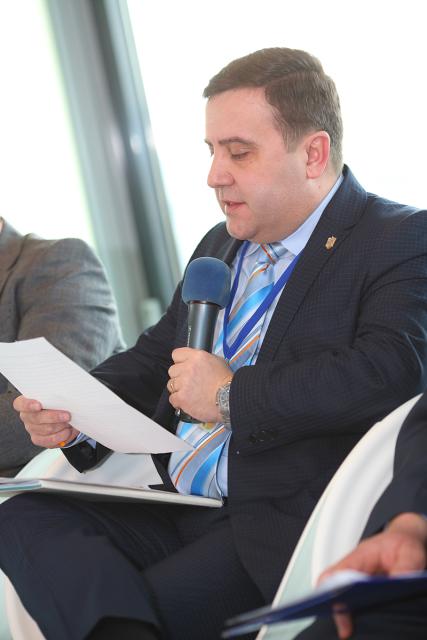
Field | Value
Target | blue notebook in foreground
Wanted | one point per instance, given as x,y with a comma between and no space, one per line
351,590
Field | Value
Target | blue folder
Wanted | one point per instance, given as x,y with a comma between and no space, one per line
358,595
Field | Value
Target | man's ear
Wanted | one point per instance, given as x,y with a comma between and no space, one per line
318,149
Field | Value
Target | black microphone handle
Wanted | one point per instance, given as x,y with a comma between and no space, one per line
201,327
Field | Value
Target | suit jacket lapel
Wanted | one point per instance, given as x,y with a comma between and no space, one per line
337,221
229,250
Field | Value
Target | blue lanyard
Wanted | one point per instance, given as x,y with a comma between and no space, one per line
229,351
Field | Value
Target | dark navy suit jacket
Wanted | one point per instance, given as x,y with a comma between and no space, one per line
347,343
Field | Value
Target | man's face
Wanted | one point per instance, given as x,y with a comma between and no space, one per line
260,186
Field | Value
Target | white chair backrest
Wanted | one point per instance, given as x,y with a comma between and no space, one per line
41,464
340,516
21,624
357,486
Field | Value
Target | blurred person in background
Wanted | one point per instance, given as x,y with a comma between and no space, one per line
56,289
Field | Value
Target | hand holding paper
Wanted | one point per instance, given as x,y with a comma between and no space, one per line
42,372
48,428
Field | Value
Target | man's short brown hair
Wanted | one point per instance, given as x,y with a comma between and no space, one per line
303,97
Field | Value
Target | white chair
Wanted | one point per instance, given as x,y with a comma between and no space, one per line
21,624
340,516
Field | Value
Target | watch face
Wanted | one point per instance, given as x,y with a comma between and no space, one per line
224,393
224,401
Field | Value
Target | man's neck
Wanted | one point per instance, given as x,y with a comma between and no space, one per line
324,186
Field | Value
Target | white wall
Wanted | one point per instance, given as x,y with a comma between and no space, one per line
374,50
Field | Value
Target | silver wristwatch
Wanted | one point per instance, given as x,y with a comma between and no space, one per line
223,402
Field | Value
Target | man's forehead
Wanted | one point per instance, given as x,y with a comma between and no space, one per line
236,113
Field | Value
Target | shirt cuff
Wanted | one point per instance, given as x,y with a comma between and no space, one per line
82,437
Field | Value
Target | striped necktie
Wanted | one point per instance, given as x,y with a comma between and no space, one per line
194,472
258,287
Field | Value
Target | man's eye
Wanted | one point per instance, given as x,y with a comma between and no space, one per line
239,156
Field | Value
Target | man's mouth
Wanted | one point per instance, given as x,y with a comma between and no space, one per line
231,205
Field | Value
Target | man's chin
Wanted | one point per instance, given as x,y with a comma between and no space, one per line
237,232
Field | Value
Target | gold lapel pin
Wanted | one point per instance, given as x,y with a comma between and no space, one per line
330,242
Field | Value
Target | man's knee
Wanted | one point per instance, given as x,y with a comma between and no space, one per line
28,522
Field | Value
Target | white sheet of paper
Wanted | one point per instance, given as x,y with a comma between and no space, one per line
43,373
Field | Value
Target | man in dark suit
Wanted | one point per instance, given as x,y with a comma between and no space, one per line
338,347
394,541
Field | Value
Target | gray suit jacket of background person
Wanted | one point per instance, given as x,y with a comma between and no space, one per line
56,289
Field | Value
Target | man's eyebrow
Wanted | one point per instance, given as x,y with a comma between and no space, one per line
234,139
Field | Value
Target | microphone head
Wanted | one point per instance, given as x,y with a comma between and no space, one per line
207,280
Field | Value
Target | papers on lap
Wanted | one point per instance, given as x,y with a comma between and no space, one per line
346,591
10,487
43,373
121,477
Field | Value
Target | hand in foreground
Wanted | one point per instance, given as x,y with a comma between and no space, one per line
401,547
48,428
194,380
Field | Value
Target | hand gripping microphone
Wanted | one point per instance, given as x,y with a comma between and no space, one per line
206,290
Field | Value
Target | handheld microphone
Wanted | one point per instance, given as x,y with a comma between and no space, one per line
206,290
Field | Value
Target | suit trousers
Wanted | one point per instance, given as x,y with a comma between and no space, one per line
74,562
404,620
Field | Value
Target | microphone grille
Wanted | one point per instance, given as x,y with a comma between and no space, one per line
207,280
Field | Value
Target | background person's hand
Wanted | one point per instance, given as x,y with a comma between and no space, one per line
48,428
400,548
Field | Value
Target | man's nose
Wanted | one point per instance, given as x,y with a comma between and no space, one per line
218,175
